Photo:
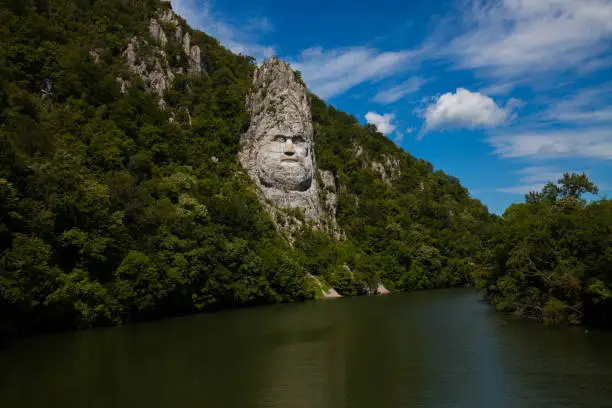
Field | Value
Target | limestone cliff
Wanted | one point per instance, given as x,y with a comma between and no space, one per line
150,60
278,151
387,166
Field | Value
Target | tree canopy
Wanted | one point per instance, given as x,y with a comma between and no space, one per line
551,258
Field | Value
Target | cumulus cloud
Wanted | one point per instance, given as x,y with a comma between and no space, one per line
585,143
528,38
382,122
465,109
244,40
332,72
396,93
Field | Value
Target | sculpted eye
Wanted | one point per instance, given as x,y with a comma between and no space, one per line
298,139
280,139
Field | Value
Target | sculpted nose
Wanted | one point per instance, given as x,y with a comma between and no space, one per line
289,148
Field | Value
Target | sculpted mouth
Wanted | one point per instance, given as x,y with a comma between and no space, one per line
289,159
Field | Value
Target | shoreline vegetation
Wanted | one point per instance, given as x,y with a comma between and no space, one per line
550,258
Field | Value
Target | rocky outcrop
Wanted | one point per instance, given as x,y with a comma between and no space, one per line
194,55
278,148
386,165
378,289
389,169
381,290
150,60
46,88
329,192
156,32
95,54
153,69
330,200
324,291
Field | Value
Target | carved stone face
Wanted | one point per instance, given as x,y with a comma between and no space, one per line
285,161
277,149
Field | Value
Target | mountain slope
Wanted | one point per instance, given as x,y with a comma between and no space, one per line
122,198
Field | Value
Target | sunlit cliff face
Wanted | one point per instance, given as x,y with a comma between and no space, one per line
278,149
285,161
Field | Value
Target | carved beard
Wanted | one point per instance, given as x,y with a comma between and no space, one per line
284,175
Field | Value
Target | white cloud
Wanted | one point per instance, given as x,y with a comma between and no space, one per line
534,178
499,88
528,38
259,24
200,15
522,189
587,106
382,122
541,174
586,143
396,93
466,109
332,72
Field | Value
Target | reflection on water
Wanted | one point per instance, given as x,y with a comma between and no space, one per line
428,349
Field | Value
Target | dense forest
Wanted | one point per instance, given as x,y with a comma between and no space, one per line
115,209
550,258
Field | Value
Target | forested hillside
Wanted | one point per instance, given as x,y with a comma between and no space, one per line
408,225
115,208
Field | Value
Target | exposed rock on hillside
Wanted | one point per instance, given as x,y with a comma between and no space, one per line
324,291
151,61
389,169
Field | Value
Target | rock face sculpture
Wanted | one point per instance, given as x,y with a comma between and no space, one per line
278,148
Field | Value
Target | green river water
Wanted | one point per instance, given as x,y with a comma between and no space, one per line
428,349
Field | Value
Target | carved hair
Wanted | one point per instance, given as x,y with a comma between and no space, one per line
279,103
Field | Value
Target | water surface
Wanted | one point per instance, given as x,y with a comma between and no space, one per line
428,349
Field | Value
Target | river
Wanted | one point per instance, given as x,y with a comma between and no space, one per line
440,348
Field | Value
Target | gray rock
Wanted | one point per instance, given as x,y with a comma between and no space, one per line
389,170
278,148
330,293
195,60
150,61
168,16
94,53
123,84
187,44
130,53
157,32
381,290
194,54
46,87
331,199
156,79
327,178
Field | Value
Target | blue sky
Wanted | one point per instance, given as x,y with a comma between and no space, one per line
503,94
